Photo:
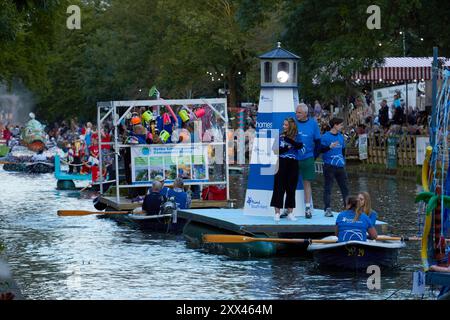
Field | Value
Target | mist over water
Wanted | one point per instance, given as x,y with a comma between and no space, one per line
15,103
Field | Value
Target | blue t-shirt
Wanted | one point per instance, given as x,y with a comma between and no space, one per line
373,216
292,153
334,156
352,230
181,198
164,191
308,131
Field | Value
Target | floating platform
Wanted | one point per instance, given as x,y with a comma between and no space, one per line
233,221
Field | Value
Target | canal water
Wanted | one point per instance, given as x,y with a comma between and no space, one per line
85,257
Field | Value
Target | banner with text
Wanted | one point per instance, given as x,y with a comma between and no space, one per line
362,145
189,162
421,145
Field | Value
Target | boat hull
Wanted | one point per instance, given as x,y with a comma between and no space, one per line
356,255
162,224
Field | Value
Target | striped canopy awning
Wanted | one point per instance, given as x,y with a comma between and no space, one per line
401,69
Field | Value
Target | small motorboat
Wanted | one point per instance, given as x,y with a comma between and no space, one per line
356,255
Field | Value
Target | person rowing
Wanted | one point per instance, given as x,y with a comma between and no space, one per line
352,225
365,206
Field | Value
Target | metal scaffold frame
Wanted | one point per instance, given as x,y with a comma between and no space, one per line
112,110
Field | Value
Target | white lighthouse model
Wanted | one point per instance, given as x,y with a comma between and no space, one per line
278,100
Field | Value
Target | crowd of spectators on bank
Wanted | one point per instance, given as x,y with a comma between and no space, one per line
362,117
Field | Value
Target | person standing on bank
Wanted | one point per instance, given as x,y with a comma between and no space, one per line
286,178
333,148
309,132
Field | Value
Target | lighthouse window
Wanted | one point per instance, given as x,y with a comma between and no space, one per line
268,72
295,71
283,66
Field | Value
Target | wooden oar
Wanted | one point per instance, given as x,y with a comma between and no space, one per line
231,238
67,213
88,186
388,238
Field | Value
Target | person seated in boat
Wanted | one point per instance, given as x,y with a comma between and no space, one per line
365,206
39,156
153,201
182,198
164,189
352,225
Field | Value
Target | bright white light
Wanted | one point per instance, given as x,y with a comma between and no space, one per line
282,76
401,32
421,39
239,72
380,44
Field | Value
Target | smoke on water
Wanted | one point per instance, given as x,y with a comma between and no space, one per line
15,104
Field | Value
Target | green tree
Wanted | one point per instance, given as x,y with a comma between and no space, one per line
333,40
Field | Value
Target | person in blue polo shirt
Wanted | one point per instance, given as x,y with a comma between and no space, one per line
333,148
309,132
352,225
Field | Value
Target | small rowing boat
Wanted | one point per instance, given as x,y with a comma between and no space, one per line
356,255
152,223
166,222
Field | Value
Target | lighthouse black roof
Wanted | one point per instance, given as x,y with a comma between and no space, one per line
279,53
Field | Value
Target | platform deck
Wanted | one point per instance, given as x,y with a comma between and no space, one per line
234,220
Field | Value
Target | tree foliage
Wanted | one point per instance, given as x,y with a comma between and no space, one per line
124,47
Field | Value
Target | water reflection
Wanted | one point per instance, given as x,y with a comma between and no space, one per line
89,258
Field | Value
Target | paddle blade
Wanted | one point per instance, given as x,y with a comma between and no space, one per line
226,238
73,213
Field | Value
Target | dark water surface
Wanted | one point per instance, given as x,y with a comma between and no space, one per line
88,258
